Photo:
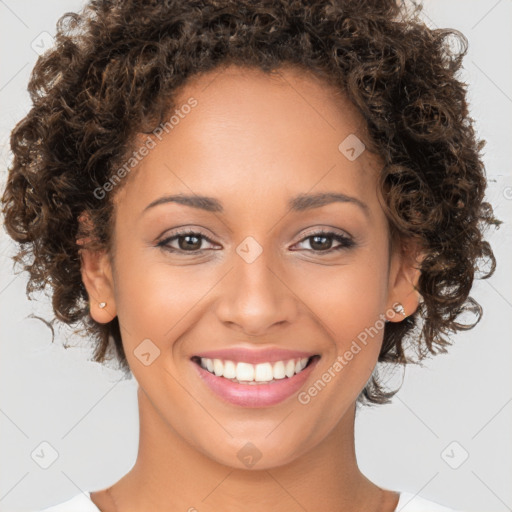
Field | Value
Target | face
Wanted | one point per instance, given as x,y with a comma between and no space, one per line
215,292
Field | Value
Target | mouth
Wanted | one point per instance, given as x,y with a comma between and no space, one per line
258,384
254,374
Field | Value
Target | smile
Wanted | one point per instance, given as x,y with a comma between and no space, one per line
247,373
263,382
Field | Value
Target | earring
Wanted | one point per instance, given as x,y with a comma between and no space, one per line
102,305
399,308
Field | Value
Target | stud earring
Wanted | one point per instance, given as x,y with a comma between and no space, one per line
101,305
399,308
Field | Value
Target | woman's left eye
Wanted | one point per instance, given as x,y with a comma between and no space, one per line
318,241
191,241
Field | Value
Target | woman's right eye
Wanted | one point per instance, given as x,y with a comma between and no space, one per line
187,242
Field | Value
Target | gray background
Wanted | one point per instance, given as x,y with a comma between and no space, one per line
458,404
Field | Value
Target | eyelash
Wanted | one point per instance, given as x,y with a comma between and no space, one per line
345,242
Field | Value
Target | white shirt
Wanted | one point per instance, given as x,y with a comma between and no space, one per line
408,502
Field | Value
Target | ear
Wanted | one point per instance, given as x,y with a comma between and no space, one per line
96,269
403,280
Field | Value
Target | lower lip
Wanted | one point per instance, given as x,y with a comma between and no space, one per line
256,395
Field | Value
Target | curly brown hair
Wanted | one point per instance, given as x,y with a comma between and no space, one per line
116,67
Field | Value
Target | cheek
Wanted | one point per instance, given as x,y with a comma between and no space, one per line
351,308
348,299
158,301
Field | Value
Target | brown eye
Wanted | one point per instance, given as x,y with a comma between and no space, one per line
188,241
323,242
320,242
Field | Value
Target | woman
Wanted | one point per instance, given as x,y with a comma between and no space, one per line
253,204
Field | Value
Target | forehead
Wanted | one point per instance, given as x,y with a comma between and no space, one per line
261,135
287,98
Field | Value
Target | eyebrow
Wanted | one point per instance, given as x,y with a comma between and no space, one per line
298,203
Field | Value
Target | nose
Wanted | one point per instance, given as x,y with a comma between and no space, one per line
256,297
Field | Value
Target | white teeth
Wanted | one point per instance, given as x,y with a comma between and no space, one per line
218,367
263,372
278,370
244,371
301,365
290,368
229,370
253,373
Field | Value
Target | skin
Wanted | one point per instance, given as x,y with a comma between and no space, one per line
252,142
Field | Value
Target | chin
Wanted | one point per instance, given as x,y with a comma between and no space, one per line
257,452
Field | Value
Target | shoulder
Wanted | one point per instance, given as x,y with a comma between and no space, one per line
409,502
79,503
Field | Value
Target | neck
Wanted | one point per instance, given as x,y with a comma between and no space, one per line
170,474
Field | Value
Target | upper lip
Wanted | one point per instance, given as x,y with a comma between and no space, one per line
255,356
